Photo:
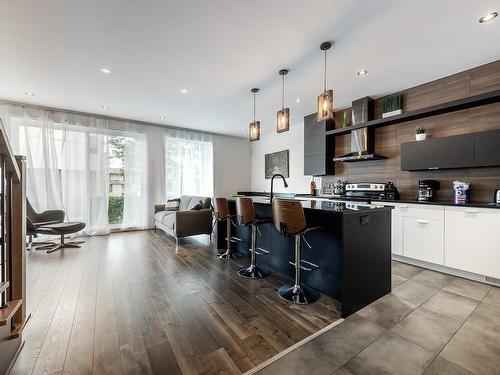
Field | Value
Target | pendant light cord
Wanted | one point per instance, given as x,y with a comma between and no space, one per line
254,107
325,70
283,91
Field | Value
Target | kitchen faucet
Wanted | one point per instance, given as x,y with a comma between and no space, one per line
272,183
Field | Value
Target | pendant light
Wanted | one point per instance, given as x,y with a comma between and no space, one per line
254,127
283,123
325,100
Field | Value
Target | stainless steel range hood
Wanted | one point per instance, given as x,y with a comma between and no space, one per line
362,140
362,147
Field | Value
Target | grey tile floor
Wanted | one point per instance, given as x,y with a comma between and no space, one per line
431,323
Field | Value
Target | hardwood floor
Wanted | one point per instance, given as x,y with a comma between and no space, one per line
129,304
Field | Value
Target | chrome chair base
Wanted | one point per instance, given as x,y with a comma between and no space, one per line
253,272
301,294
35,244
61,245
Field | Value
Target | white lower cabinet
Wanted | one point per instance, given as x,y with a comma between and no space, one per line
397,234
423,239
418,231
472,240
463,238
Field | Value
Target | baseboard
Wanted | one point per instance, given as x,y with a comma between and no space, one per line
293,347
444,269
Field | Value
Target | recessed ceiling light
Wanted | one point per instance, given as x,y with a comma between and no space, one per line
362,72
105,71
297,100
184,91
105,107
29,93
488,17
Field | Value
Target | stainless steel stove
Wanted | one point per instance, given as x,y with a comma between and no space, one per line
370,190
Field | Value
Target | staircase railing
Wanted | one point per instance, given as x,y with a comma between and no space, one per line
12,252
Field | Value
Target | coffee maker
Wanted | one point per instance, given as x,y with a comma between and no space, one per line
426,189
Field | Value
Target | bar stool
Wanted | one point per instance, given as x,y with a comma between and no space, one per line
246,215
289,220
222,213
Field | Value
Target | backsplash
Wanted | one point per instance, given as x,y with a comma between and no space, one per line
484,181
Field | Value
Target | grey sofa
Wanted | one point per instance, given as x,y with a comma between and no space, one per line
185,222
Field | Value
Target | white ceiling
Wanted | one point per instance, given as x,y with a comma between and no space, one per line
220,49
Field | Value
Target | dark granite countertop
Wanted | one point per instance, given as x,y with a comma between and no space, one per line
312,203
441,203
412,201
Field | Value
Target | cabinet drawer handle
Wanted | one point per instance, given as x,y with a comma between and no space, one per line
422,221
405,206
471,212
433,168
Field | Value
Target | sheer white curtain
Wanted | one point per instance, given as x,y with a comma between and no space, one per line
188,163
68,160
135,210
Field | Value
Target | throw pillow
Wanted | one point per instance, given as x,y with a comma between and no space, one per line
172,205
197,206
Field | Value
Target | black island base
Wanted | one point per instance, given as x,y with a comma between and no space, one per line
352,249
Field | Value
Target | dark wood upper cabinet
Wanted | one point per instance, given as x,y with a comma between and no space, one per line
471,150
487,148
438,153
319,150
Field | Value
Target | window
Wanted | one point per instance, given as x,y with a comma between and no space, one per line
96,175
188,164
116,178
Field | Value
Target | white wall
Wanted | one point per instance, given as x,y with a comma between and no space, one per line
293,140
231,165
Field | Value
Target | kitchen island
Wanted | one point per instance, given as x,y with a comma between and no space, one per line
352,249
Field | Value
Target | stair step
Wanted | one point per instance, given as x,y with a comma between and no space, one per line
4,286
6,313
16,331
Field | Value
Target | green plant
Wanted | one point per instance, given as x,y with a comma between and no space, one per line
115,209
420,130
346,120
391,103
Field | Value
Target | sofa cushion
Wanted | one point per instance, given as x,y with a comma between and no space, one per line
187,202
183,203
172,205
169,221
160,216
196,207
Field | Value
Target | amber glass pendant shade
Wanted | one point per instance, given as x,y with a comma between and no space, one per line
254,127
325,100
325,106
283,120
283,115
254,131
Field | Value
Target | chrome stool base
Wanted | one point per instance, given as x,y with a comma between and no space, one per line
301,294
227,255
254,272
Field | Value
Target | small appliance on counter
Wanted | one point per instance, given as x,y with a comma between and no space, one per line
461,192
370,190
426,189
339,187
496,198
333,190
314,190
